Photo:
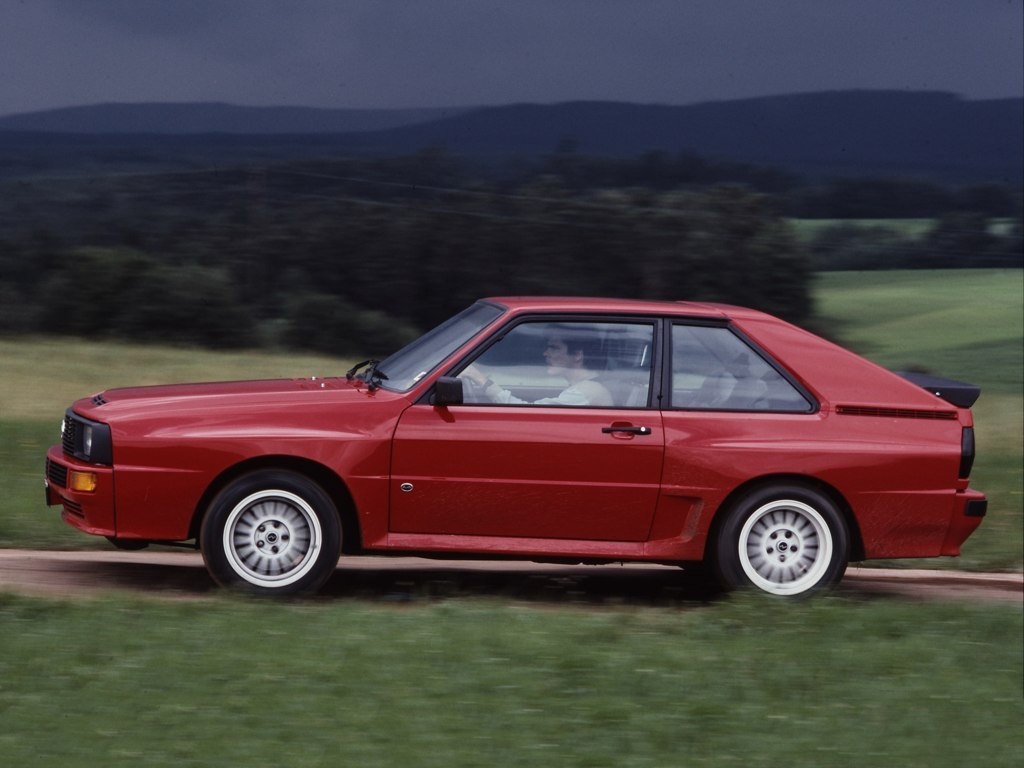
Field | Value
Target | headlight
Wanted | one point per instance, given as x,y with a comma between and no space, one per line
87,440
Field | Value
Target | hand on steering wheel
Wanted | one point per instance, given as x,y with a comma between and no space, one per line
475,385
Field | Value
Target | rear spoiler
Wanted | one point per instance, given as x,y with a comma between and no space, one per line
957,393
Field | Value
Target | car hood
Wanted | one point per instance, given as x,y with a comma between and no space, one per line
181,398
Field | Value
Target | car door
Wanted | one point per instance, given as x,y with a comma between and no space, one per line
539,450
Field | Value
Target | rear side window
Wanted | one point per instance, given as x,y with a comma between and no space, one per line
714,369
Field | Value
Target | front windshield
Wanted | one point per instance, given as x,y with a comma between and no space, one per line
408,365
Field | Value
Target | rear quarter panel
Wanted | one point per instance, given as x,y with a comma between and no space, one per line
897,476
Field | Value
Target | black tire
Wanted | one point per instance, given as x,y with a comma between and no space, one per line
271,532
784,540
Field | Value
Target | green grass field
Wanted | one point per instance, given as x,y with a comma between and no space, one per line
841,680
469,682
965,324
807,229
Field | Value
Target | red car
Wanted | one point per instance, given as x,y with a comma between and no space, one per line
561,429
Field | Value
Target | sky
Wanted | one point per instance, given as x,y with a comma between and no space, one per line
455,53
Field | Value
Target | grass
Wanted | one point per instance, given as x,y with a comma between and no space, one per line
961,323
807,229
748,682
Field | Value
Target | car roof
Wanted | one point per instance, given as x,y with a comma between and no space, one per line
584,304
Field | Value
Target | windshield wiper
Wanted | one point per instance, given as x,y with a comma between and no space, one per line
373,375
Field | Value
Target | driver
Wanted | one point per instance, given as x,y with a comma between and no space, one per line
565,357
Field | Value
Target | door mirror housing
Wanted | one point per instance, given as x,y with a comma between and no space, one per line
448,391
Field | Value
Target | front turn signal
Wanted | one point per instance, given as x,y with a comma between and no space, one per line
82,481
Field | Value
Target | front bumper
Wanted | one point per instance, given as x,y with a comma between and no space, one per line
89,511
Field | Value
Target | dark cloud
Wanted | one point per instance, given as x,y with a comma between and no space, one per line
395,53
174,18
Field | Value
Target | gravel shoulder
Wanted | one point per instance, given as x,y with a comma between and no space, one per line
182,575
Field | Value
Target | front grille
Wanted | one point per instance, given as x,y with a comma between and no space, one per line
69,439
73,508
57,474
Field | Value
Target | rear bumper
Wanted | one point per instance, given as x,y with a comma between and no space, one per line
970,510
88,511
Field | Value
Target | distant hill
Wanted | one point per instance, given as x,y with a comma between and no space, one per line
919,134
841,133
214,117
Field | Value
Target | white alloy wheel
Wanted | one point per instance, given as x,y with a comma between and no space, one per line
272,538
785,547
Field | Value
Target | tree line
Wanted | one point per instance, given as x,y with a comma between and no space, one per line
358,255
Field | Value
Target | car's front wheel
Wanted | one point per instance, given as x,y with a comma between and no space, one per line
783,540
271,532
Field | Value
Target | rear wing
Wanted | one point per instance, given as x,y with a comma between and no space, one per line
957,393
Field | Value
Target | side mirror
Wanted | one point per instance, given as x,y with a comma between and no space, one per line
448,391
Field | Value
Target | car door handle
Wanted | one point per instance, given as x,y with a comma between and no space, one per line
628,429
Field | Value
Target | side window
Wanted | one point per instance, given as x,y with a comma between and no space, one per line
581,364
713,369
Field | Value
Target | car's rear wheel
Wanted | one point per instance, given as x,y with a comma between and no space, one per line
271,532
783,540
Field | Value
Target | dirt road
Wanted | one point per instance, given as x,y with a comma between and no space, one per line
181,575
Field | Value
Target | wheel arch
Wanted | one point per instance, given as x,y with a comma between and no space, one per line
812,483
323,476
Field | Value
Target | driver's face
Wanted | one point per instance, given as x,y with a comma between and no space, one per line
556,354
